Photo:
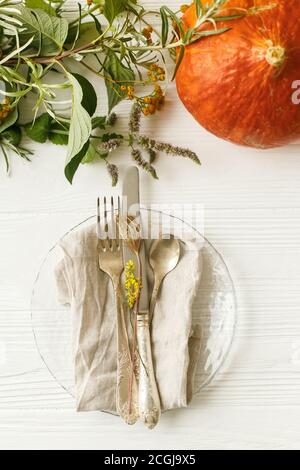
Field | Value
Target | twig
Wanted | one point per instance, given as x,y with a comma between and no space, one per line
136,311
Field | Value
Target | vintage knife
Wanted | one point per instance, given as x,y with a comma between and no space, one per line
149,401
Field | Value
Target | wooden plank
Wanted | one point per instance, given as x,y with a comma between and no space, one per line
208,428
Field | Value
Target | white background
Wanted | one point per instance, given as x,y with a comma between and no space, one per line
252,216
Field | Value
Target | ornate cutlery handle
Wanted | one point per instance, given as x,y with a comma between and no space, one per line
127,409
153,299
149,401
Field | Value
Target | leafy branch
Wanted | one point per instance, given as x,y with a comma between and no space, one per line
40,55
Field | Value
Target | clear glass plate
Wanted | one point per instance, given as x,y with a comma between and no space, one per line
214,308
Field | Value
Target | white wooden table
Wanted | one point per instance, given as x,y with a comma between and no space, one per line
252,216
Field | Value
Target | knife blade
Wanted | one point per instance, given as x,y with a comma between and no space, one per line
131,208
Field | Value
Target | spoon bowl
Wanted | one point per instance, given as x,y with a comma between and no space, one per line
163,258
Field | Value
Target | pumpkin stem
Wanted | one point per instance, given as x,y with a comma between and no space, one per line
275,55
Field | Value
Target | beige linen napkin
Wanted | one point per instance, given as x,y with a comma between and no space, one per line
176,341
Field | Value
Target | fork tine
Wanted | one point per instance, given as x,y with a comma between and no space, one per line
98,217
105,218
108,239
118,223
109,233
113,219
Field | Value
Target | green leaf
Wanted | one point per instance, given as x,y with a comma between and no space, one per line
99,122
179,60
87,33
34,4
199,8
80,130
57,134
108,137
186,38
90,155
80,126
13,135
164,26
113,8
49,32
97,23
89,98
229,17
173,17
74,31
9,121
73,165
39,129
44,128
116,75
211,32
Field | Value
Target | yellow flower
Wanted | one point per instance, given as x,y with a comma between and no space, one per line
146,111
184,8
152,103
5,109
147,32
156,73
130,92
132,284
152,108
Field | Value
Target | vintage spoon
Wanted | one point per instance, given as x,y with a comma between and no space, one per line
163,257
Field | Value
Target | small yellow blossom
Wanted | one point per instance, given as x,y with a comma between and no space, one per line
147,32
152,108
132,284
152,103
156,73
5,109
184,8
158,90
130,92
146,111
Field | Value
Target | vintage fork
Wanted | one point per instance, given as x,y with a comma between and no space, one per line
110,256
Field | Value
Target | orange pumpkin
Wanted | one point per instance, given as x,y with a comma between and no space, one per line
239,85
